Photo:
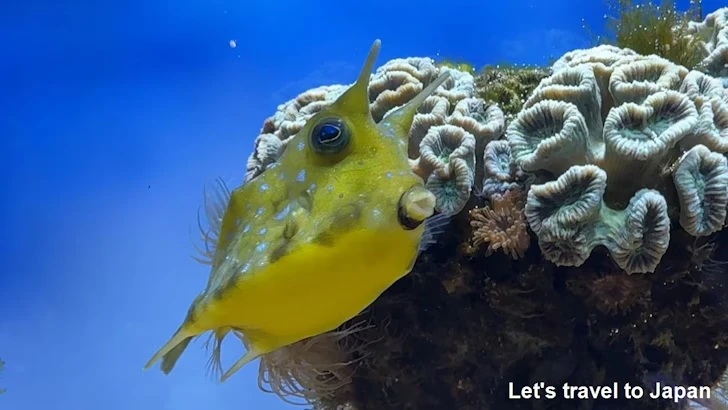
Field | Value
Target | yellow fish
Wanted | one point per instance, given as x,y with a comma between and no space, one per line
318,236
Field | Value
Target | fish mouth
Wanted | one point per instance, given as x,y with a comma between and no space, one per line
415,205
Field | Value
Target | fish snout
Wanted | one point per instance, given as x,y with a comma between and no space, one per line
415,205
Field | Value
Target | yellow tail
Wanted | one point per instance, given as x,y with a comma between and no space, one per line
171,351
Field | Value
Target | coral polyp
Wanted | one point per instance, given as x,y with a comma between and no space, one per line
502,227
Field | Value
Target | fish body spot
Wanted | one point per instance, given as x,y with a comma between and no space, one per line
246,268
264,187
246,228
389,175
301,176
261,247
260,211
329,188
301,146
262,231
312,188
283,213
282,175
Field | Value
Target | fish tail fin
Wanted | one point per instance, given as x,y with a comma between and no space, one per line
248,357
171,351
170,359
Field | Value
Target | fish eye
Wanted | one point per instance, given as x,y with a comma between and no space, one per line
330,136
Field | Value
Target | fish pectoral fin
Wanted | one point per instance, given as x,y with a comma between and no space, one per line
248,357
171,351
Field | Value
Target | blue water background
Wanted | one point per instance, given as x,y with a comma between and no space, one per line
112,118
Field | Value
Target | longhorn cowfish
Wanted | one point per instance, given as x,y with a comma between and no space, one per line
319,235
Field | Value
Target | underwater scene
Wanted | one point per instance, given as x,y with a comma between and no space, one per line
380,205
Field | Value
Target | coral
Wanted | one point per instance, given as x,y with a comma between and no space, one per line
651,29
578,86
433,111
712,128
501,173
485,121
642,238
503,226
605,54
711,36
710,100
717,60
631,116
447,155
641,78
572,200
564,214
571,219
459,85
550,135
267,149
701,179
699,87
507,86
647,132
602,61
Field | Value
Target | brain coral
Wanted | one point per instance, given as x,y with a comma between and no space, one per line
447,138
713,37
610,114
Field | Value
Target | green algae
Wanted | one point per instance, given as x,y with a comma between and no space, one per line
648,28
458,65
508,86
